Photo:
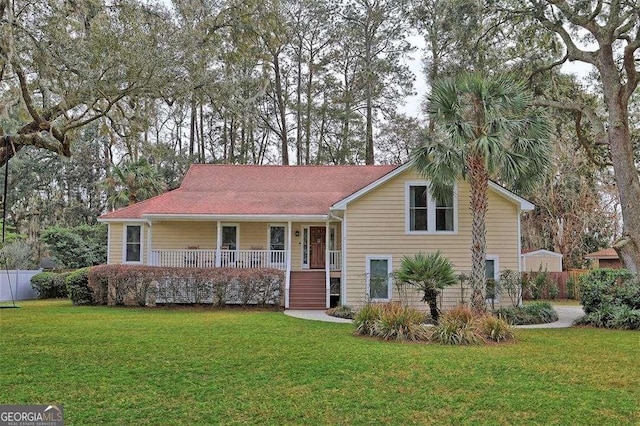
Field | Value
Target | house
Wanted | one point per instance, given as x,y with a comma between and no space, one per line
605,258
549,261
335,230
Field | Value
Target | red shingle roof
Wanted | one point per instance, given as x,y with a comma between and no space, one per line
209,189
608,253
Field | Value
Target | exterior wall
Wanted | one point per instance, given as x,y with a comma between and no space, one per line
181,235
532,263
386,205
608,263
116,241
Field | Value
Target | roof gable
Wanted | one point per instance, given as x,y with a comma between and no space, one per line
541,253
523,204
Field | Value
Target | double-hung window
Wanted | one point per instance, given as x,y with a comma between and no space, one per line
133,243
426,213
378,273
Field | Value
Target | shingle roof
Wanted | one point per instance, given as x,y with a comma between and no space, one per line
608,253
209,189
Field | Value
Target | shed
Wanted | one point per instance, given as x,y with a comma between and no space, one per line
547,260
605,258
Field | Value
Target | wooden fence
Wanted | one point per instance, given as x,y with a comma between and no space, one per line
562,280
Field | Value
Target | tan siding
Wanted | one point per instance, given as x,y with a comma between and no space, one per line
550,263
116,233
181,235
116,242
376,226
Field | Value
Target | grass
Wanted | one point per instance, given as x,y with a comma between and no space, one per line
201,366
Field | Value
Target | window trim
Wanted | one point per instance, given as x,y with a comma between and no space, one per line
389,260
496,274
431,210
125,245
228,225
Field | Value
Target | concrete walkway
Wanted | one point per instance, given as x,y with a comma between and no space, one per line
566,316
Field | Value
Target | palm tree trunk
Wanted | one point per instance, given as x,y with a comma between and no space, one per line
479,182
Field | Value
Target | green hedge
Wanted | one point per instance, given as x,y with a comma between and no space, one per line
78,288
49,285
149,285
611,299
534,313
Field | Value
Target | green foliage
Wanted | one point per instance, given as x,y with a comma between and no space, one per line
77,284
49,285
365,319
611,299
17,255
533,313
428,274
341,311
79,246
511,282
139,285
494,328
391,321
457,327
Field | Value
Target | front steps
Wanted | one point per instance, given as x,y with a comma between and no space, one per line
307,290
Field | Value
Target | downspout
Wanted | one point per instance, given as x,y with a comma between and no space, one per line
287,274
343,257
327,264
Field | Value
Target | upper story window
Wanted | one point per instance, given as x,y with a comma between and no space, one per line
425,213
133,245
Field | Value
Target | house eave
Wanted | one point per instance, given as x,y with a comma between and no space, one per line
239,217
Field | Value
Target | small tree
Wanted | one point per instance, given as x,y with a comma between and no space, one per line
511,281
429,274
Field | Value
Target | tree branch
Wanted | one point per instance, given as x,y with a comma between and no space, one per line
567,105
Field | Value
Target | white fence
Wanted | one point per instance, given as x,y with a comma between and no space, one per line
20,282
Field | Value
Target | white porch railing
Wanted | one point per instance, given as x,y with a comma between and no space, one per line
253,259
335,260
183,258
228,258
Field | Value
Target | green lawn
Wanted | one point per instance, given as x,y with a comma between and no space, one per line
200,366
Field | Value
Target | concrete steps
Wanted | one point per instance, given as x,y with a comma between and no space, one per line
307,290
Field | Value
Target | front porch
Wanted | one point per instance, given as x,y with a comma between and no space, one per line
254,258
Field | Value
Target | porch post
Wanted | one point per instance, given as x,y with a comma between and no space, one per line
150,260
218,240
287,272
327,265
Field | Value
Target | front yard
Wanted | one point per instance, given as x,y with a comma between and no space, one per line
202,366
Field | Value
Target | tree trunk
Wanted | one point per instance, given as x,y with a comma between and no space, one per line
479,182
622,157
281,110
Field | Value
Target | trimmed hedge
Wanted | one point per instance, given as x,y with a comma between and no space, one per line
49,285
534,313
134,285
77,283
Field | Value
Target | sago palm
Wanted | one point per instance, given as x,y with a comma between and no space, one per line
485,128
428,274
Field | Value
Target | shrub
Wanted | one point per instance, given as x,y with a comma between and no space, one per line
496,329
148,285
571,288
17,255
77,247
401,323
366,318
511,281
457,327
78,287
341,311
534,313
602,288
49,285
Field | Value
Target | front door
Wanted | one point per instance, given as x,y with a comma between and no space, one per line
317,246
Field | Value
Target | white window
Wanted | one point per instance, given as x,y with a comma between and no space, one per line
277,247
133,244
229,237
378,276
425,214
491,272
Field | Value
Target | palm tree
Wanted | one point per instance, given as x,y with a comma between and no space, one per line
429,274
485,128
134,181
